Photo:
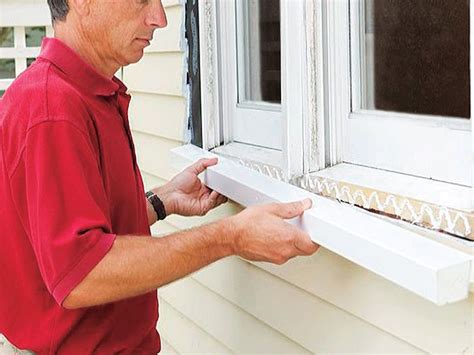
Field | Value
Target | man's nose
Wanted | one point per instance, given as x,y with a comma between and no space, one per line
157,15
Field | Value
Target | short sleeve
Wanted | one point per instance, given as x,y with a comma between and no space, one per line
68,213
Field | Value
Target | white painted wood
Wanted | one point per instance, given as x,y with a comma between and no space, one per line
250,123
20,43
420,146
31,52
157,73
428,269
337,78
236,329
314,105
245,152
24,15
5,83
307,319
242,123
436,192
294,84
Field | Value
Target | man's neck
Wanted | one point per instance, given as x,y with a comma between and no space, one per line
84,47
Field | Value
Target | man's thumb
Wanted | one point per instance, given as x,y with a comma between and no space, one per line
291,209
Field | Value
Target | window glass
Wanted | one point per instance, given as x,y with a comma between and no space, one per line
34,35
6,37
29,61
7,68
415,56
258,29
2,92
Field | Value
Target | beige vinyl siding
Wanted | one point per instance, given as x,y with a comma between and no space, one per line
320,304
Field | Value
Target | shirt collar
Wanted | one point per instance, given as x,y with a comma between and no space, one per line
80,72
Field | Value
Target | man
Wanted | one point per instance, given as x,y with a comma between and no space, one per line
78,270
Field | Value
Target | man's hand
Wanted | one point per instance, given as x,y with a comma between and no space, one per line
261,233
186,195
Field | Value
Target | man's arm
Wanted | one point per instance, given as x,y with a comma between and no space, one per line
137,265
186,195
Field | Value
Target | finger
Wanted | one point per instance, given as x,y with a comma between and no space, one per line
221,199
290,209
201,165
305,244
212,200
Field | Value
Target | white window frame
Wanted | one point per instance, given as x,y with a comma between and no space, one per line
397,253
373,138
220,109
244,120
19,17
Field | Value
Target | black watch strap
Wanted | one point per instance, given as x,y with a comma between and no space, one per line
157,204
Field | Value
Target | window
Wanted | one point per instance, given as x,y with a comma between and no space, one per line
407,65
375,111
364,101
260,83
21,30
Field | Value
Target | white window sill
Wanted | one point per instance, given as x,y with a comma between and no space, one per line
426,190
429,269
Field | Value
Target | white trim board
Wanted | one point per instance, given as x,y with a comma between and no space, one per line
25,15
433,271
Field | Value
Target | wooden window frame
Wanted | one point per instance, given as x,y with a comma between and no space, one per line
20,17
220,109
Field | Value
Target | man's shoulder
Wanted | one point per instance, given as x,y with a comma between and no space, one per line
42,92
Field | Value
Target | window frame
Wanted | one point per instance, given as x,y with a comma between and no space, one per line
313,142
21,17
219,93
368,131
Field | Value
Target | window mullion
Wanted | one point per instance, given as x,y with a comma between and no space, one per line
337,81
20,44
294,89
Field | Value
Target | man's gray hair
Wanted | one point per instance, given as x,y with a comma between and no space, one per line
59,9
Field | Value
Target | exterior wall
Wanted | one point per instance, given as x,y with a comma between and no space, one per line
323,303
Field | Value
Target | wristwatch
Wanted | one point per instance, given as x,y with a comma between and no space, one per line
157,204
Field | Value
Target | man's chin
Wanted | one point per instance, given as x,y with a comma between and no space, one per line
135,57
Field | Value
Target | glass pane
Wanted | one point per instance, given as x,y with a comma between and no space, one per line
6,37
416,57
7,68
2,92
34,35
29,61
258,32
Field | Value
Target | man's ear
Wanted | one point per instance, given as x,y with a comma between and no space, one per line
81,7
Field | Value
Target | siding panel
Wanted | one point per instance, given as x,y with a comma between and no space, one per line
191,339
158,73
160,115
308,320
446,329
234,328
153,154
169,38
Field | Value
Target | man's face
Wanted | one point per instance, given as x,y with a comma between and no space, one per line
120,29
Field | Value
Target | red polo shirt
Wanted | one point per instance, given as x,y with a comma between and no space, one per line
69,183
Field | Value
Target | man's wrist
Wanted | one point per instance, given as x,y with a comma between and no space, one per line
166,196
